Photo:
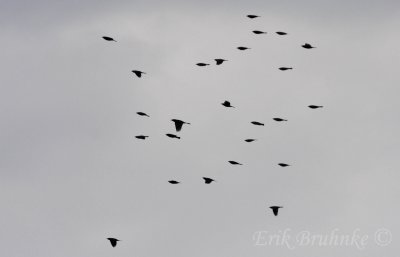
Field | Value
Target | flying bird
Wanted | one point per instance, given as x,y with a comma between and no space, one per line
257,123
202,64
109,39
141,137
250,140
142,114
258,32
234,163
279,119
220,61
172,136
174,182
281,33
227,104
179,124
275,209
308,46
283,164
285,68
242,48
252,16
138,73
315,106
113,241
208,180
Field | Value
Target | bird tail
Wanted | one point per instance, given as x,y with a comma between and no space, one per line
178,137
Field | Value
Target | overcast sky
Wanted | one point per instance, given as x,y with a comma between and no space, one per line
73,174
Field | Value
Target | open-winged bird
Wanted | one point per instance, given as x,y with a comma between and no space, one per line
250,140
315,106
141,137
257,123
113,241
258,32
174,182
179,124
252,16
220,61
286,68
227,104
138,73
234,163
202,64
208,180
109,39
142,114
283,164
242,48
275,209
172,136
279,119
308,46
281,33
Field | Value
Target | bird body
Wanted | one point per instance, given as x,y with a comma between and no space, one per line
308,46
285,68
113,241
257,123
138,73
142,114
283,164
258,32
279,119
250,140
208,180
220,61
227,104
252,16
109,39
281,33
141,137
172,136
174,182
315,106
202,64
275,209
179,124
242,48
234,163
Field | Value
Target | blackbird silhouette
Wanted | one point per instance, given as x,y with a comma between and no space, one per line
257,123
142,114
275,209
172,136
202,64
283,164
179,124
227,104
252,16
281,33
258,32
113,241
174,182
242,48
141,137
308,46
220,61
138,73
109,39
285,68
234,163
279,119
208,180
315,106
250,140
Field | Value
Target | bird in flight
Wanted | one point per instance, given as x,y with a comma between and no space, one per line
220,61
109,39
257,123
141,137
208,180
279,119
234,163
179,124
285,68
315,106
202,64
252,16
275,209
172,136
258,32
242,48
281,33
174,182
138,73
142,114
113,241
283,164
308,46
250,140
227,104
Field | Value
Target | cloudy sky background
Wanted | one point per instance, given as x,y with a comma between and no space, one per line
72,173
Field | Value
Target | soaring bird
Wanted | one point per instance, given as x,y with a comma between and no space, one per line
113,241
227,104
250,140
172,136
141,137
286,68
242,48
283,164
174,182
109,39
234,163
315,106
308,46
258,32
202,64
252,16
220,61
281,33
142,114
275,209
138,73
279,119
179,124
208,180
257,123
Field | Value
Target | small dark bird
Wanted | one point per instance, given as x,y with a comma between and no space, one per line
315,106
307,46
252,16
279,119
286,68
250,140
174,182
234,163
141,137
172,136
113,241
109,39
280,33
258,32
142,114
179,124
202,64
283,164
138,73
220,61
227,104
275,209
257,123
208,180
243,48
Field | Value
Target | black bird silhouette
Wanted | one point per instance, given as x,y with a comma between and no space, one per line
242,48
281,33
142,114
113,241
220,61
252,16
308,46
141,137
257,123
138,73
201,64
227,104
286,68
179,124
172,136
275,209
208,180
258,32
250,140
234,163
283,164
174,182
109,39
315,106
279,119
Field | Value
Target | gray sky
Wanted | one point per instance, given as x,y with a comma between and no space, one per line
72,172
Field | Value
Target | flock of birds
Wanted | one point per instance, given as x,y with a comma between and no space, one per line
179,123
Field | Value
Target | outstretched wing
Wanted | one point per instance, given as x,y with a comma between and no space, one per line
178,126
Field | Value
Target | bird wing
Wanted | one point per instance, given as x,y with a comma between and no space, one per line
178,126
